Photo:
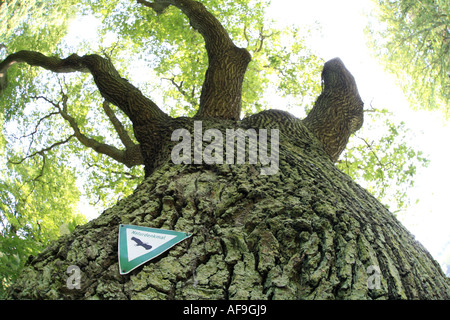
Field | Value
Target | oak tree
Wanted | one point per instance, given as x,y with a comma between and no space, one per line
413,42
306,231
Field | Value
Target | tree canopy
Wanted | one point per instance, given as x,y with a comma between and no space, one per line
61,140
413,42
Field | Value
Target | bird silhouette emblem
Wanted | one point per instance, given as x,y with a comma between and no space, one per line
141,244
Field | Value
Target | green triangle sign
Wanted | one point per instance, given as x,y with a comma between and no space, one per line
137,245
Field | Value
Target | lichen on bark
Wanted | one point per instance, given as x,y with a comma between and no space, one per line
307,232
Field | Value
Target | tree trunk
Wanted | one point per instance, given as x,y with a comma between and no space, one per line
306,232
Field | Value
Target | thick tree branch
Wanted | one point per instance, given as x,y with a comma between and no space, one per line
118,126
112,87
338,111
130,157
222,88
122,156
215,35
145,115
102,148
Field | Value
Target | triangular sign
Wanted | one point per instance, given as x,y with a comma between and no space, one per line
137,245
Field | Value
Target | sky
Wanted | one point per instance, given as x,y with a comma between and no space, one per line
341,34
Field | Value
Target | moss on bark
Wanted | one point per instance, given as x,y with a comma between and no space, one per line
307,232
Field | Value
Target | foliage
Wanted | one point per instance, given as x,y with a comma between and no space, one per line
35,24
37,204
173,52
386,164
39,195
413,42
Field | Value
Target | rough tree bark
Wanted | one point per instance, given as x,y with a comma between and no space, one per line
306,232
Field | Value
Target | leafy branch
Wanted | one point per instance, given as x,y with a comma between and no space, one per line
386,166
130,156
